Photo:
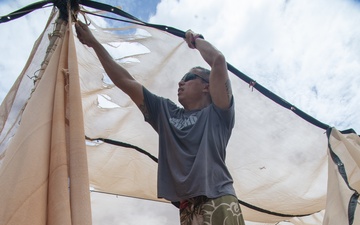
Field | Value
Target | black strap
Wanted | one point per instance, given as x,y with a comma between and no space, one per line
125,145
352,207
23,11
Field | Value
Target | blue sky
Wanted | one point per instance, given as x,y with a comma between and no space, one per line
305,51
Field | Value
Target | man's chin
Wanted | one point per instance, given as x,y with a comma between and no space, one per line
180,100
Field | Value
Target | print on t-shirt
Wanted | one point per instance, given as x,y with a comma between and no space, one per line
181,123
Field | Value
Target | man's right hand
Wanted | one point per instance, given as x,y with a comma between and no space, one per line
84,34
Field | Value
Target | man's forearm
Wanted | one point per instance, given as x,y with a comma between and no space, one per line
210,54
220,88
119,76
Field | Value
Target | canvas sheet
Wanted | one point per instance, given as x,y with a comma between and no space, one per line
44,171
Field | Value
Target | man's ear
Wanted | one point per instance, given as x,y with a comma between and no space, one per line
206,88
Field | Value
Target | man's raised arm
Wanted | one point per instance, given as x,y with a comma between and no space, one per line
220,86
119,76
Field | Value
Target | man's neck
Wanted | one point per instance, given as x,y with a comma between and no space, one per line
196,106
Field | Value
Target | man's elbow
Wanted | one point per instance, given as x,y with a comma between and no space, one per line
219,60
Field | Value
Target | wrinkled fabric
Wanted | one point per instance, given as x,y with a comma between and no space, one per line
343,184
43,171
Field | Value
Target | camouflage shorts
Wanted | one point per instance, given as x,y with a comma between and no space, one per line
200,210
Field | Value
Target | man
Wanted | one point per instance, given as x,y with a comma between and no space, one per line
192,139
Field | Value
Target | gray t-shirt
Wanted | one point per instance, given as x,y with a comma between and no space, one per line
191,149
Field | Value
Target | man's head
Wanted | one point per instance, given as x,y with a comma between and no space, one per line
197,72
193,92
204,73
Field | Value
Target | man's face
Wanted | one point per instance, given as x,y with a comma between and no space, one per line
191,87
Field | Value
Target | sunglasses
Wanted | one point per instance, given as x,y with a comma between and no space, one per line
192,76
